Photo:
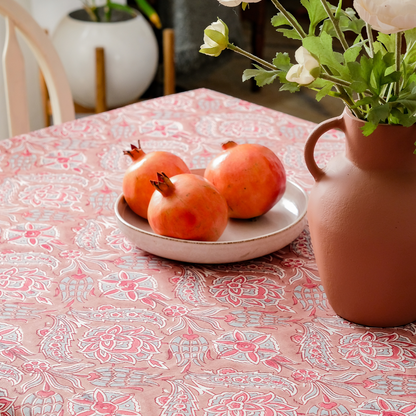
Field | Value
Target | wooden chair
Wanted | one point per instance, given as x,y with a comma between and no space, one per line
17,18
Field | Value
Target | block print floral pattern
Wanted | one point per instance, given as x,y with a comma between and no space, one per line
118,343
92,325
247,346
98,402
128,286
24,284
379,351
248,291
34,235
51,196
245,403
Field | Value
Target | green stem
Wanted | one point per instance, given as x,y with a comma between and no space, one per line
370,39
346,84
334,21
252,57
290,19
398,53
344,95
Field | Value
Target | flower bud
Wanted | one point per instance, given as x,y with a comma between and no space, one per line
307,69
215,38
387,16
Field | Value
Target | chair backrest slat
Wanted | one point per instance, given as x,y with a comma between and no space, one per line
49,62
15,85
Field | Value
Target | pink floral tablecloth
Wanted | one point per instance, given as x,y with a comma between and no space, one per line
91,325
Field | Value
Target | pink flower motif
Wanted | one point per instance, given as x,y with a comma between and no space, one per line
244,403
6,403
64,160
36,366
175,310
293,263
120,344
129,286
377,351
305,376
10,336
42,235
247,291
387,408
50,196
161,128
247,346
100,403
70,254
117,240
22,283
97,174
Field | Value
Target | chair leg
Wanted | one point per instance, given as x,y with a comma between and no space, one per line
169,61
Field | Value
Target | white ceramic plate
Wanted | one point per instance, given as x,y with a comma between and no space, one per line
241,240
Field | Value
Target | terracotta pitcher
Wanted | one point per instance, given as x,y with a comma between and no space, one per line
362,218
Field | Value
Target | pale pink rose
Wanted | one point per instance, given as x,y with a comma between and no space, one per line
387,16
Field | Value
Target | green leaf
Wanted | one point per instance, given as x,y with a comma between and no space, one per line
378,113
261,76
289,33
354,25
410,36
282,61
358,86
389,59
368,128
406,120
392,77
368,100
321,47
408,102
388,41
347,22
324,91
316,13
290,86
279,20
351,54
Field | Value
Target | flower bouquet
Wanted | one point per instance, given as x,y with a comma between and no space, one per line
374,75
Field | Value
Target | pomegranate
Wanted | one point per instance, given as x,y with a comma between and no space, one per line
187,206
250,176
137,188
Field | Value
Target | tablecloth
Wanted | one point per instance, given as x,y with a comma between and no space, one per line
92,325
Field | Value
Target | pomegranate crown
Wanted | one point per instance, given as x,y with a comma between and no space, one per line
136,152
163,184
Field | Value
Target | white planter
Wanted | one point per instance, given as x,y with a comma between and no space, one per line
131,57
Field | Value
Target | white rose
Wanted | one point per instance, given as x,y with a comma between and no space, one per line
301,73
215,38
387,16
232,3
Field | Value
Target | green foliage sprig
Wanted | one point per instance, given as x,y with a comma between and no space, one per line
374,75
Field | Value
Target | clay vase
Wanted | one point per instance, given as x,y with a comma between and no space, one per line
362,218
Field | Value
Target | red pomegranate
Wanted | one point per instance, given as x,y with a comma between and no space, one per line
188,207
250,176
137,188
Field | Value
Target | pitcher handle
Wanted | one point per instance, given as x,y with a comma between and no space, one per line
320,129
